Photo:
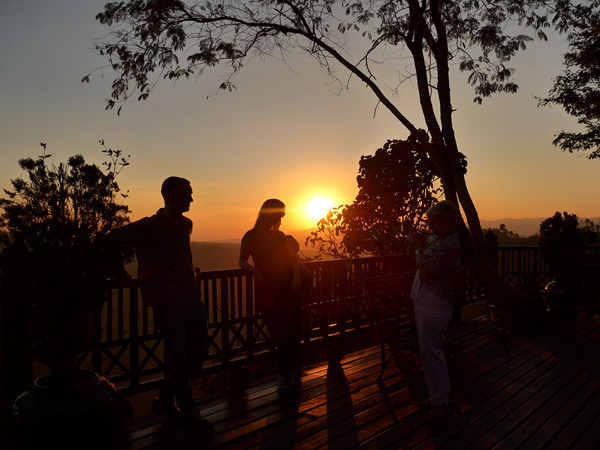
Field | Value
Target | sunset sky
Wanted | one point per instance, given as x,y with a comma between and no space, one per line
283,133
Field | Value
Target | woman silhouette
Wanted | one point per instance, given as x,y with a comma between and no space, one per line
277,278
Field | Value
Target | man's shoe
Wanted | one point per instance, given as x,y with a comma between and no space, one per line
297,379
195,418
424,404
166,408
438,416
282,383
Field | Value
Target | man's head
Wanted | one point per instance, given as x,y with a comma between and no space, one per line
177,193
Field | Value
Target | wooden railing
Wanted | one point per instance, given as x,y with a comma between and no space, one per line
519,265
128,349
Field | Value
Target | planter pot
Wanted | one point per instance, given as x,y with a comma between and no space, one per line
78,411
561,293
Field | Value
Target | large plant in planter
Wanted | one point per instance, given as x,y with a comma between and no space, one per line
53,222
562,242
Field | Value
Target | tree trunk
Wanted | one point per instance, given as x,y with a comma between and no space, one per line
444,148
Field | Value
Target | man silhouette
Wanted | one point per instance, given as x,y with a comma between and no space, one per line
168,283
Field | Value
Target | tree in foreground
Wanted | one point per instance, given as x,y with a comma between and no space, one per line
578,89
154,39
396,187
54,222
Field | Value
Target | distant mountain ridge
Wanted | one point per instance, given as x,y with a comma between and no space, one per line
523,227
223,254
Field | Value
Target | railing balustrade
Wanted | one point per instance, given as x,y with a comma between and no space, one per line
128,349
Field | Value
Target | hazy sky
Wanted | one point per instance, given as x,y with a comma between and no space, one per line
283,133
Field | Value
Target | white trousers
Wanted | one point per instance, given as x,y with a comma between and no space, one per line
432,322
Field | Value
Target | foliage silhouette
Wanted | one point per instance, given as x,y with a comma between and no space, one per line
53,223
396,188
563,239
508,237
578,89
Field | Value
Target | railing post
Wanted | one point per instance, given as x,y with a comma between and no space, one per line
134,360
15,355
224,300
491,245
249,314
97,340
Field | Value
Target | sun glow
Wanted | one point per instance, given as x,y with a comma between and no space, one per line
318,207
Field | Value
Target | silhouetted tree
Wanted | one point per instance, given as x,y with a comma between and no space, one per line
170,39
54,222
578,89
328,238
396,187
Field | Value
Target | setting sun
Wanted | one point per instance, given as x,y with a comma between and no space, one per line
318,207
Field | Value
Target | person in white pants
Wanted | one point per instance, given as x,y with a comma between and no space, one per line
432,290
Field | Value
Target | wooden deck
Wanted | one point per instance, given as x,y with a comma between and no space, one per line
546,396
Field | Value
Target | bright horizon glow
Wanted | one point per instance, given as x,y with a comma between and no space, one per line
317,207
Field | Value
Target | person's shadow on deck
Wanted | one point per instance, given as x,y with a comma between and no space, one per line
340,418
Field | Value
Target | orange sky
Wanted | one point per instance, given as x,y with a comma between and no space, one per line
281,134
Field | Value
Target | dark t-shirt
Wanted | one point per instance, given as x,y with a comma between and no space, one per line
165,266
274,259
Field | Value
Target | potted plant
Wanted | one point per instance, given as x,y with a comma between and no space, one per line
56,264
562,243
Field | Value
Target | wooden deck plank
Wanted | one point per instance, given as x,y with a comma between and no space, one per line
533,401
255,415
471,374
333,393
546,395
331,419
351,418
585,412
267,392
591,438
511,393
566,398
464,369
477,398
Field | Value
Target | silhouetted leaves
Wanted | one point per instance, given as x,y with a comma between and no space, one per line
396,187
563,239
157,36
578,89
53,223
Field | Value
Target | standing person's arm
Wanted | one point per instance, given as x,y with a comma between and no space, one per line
245,251
294,248
414,245
436,261
133,233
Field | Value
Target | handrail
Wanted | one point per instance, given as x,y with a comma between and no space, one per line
127,348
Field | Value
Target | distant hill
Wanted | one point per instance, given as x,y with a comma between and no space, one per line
224,254
208,256
221,255
215,255
523,227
